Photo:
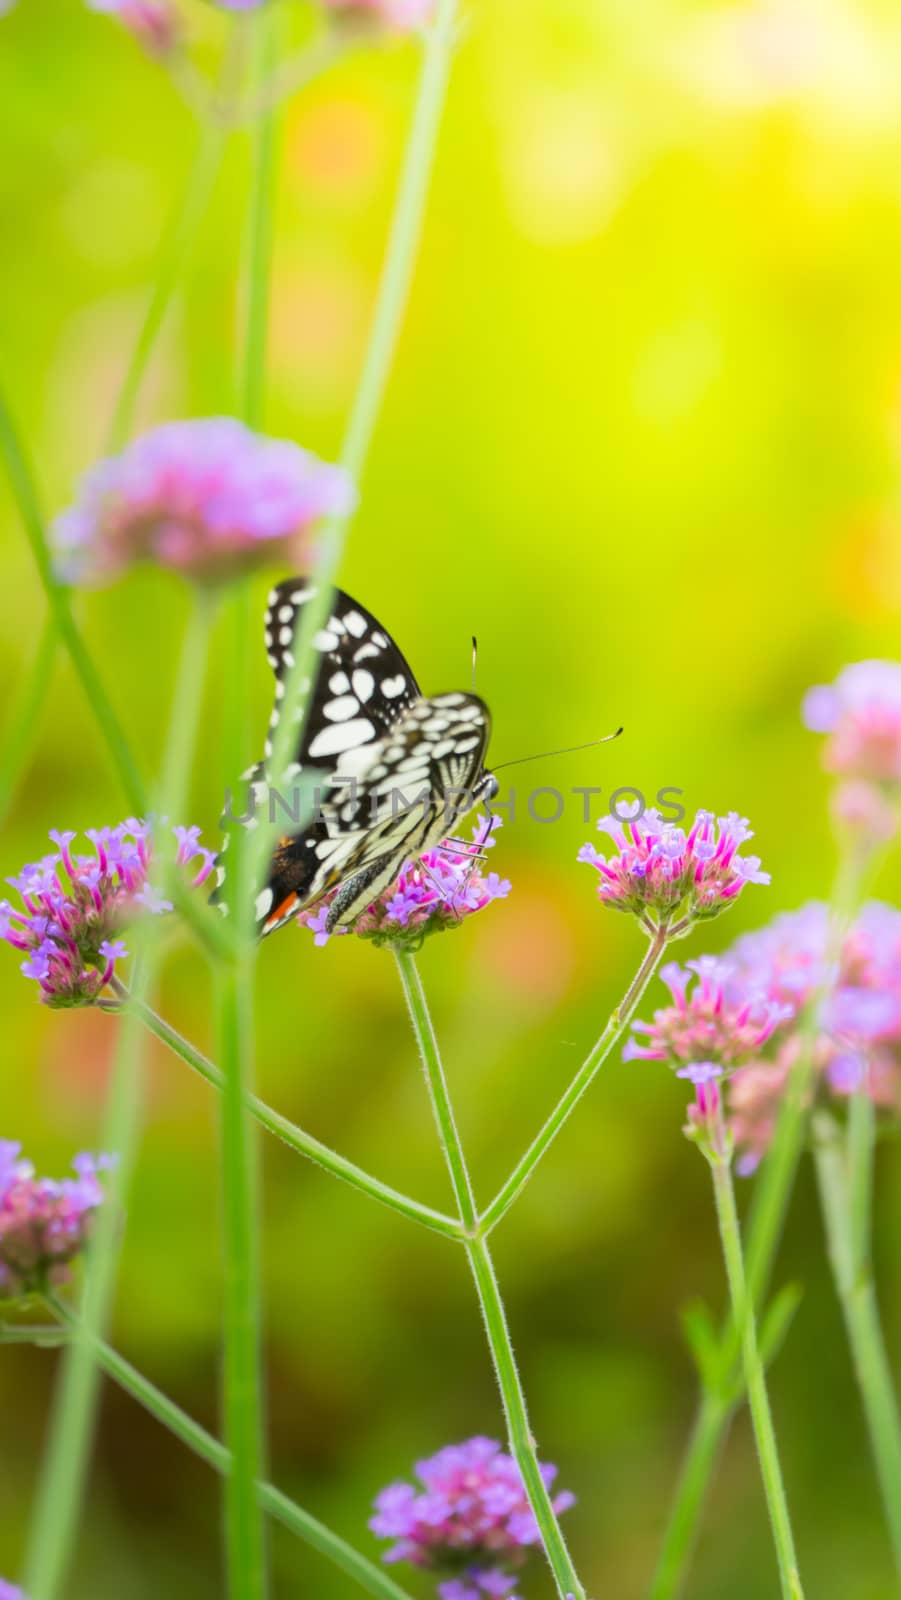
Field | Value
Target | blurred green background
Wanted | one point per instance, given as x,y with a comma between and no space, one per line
643,438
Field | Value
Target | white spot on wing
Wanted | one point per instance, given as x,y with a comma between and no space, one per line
355,624
325,640
339,710
392,687
339,683
344,736
366,652
264,903
363,683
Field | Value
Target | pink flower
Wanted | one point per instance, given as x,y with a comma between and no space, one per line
664,872
208,498
74,906
861,713
432,894
858,1045
470,1517
44,1225
716,1019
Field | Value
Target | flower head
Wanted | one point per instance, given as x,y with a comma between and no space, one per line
208,498
714,1018
8,1591
470,1518
44,1224
857,1040
400,16
662,870
861,713
154,23
75,906
436,892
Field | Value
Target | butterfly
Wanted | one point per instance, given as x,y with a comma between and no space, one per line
399,766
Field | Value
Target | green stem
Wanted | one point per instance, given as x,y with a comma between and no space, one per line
203,1444
56,1514
242,1396
57,1510
614,1030
774,1188
698,1466
23,726
243,1387
513,1398
861,1155
755,1380
295,1137
391,301
187,704
849,1256
181,239
25,495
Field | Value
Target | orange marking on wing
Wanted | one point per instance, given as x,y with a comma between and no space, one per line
284,910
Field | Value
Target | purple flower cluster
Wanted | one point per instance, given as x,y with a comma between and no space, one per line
858,1044
8,1591
471,1519
75,906
208,498
861,713
44,1224
432,894
663,872
717,1017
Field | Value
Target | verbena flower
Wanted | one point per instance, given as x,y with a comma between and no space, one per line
44,1224
154,23
861,713
208,498
8,1591
435,893
714,1016
662,871
75,906
470,1519
401,16
856,1042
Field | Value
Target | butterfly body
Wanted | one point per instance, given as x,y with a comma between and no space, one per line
395,767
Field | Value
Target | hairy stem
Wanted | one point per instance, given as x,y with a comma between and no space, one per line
849,1253
613,1031
304,1143
292,1516
755,1380
522,1442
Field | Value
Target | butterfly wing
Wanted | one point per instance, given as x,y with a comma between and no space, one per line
393,759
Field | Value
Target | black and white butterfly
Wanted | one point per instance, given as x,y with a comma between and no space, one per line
399,765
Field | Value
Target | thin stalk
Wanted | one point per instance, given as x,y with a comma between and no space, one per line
209,1449
187,704
698,1466
23,725
182,236
25,495
304,1143
56,1513
849,1256
614,1030
243,1384
513,1398
771,1200
861,1155
755,1380
57,1510
391,301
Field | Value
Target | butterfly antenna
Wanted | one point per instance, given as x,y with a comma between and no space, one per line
475,653
570,750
